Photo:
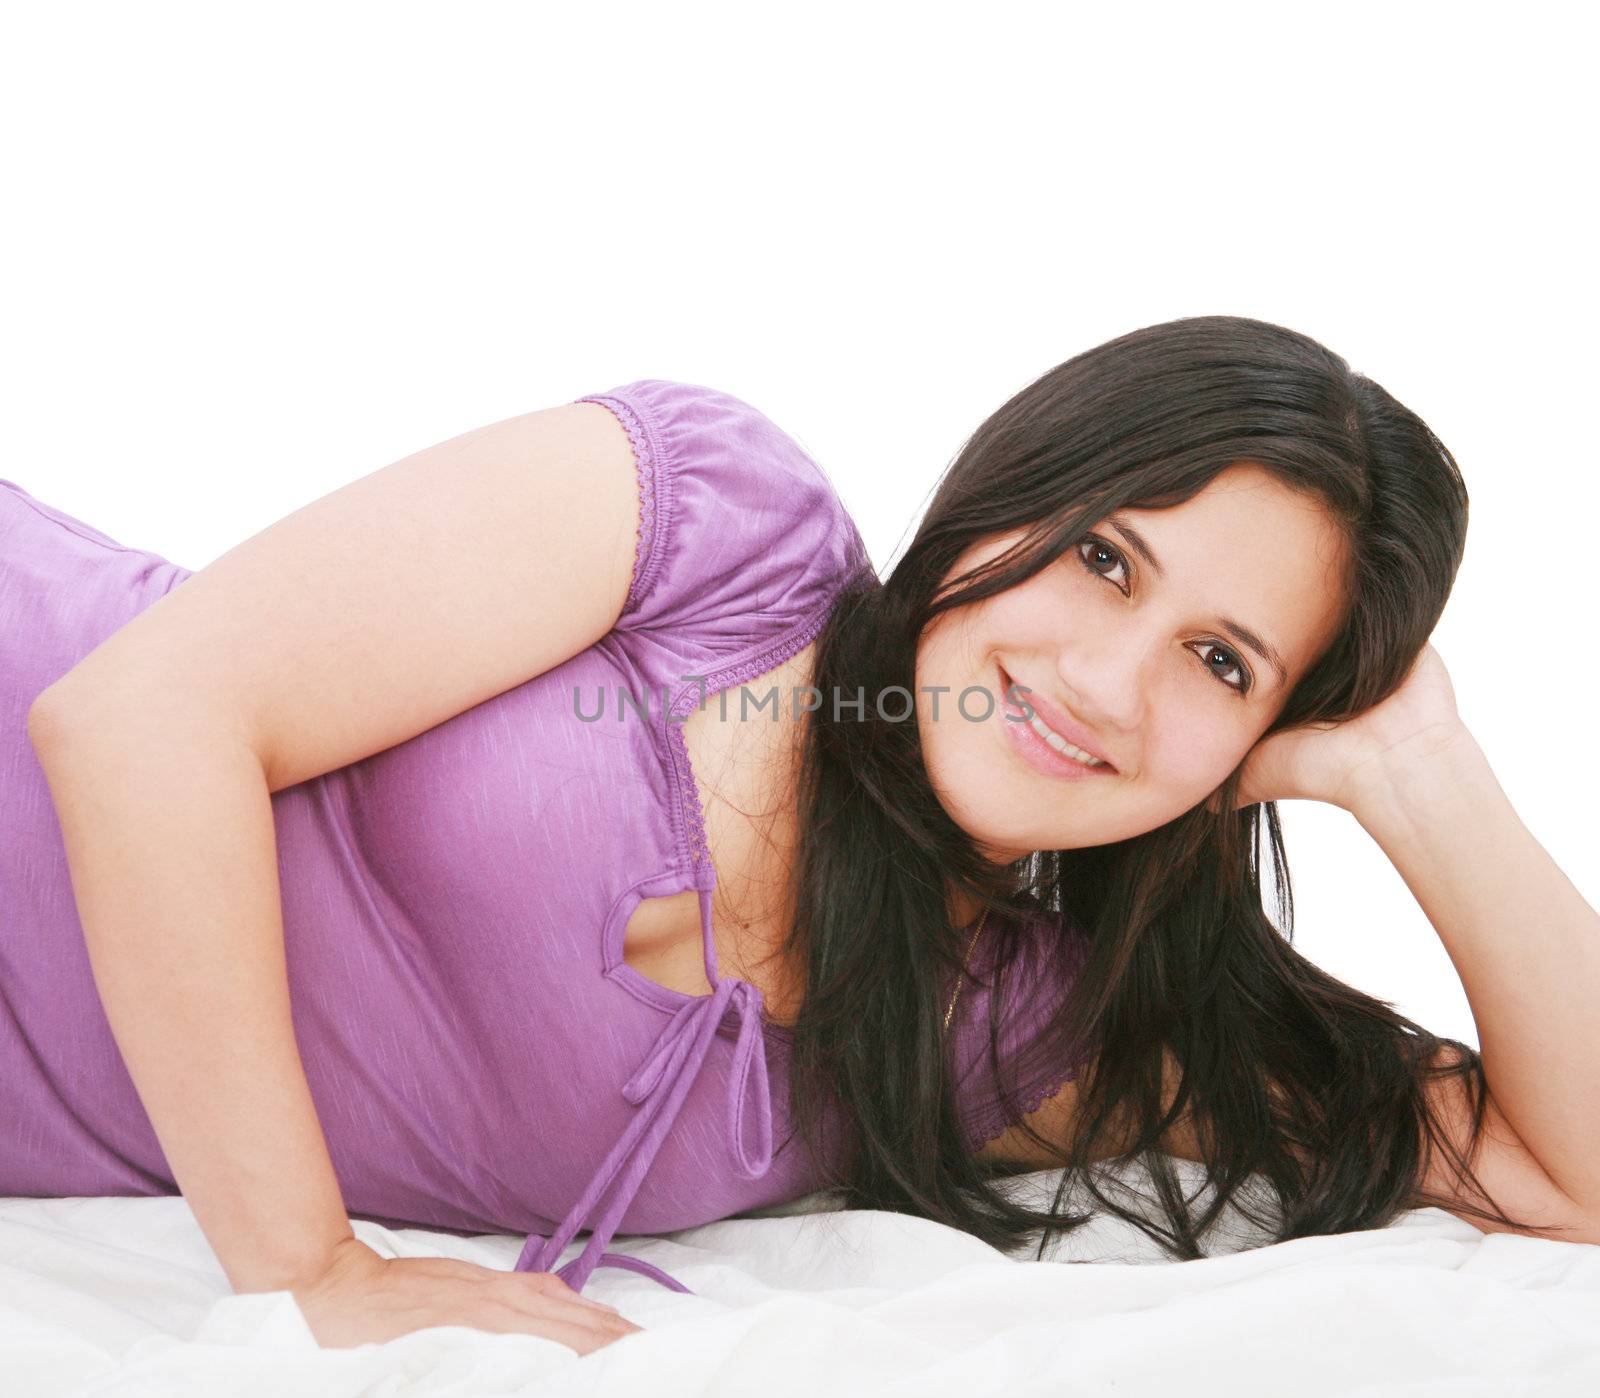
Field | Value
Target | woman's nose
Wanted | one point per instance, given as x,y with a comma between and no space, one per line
1106,681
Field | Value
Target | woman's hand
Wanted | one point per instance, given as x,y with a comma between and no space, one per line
1338,762
362,1297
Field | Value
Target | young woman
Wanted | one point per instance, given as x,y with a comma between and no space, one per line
516,837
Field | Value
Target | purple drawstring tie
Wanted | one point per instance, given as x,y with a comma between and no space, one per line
659,1086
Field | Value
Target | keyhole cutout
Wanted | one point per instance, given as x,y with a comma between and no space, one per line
743,768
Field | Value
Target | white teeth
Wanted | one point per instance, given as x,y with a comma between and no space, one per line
1061,745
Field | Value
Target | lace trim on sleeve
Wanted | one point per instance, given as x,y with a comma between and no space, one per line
991,1121
644,455
991,1116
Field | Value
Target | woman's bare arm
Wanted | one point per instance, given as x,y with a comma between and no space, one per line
351,625
170,841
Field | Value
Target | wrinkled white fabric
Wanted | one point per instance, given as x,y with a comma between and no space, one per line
123,1295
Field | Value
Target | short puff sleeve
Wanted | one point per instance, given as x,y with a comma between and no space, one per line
740,531
1050,959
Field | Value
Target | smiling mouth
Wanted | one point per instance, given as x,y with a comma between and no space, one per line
1062,746
1059,744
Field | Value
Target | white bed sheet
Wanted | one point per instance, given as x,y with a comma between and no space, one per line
123,1296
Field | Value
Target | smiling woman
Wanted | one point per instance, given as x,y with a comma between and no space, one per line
1167,553
1182,575
1144,669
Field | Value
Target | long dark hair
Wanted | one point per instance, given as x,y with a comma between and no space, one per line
1190,998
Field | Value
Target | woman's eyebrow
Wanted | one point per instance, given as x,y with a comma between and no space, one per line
1241,633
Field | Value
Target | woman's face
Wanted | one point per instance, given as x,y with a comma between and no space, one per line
1135,657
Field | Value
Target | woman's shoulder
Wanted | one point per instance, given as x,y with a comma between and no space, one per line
737,519
696,434
1028,966
1028,932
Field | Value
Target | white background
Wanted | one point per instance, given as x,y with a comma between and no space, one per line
254,252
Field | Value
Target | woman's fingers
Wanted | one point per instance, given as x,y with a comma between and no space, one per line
576,1323
549,1284
364,1298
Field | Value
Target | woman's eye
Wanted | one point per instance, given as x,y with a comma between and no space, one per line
1229,664
1093,546
1101,559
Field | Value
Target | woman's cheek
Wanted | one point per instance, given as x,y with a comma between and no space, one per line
1192,758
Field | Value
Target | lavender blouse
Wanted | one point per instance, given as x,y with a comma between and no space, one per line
481,1057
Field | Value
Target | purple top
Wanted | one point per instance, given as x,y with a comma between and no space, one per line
481,1057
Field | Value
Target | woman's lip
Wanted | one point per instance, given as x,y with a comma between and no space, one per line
1054,718
1044,759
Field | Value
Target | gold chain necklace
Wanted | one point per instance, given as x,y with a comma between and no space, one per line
964,965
